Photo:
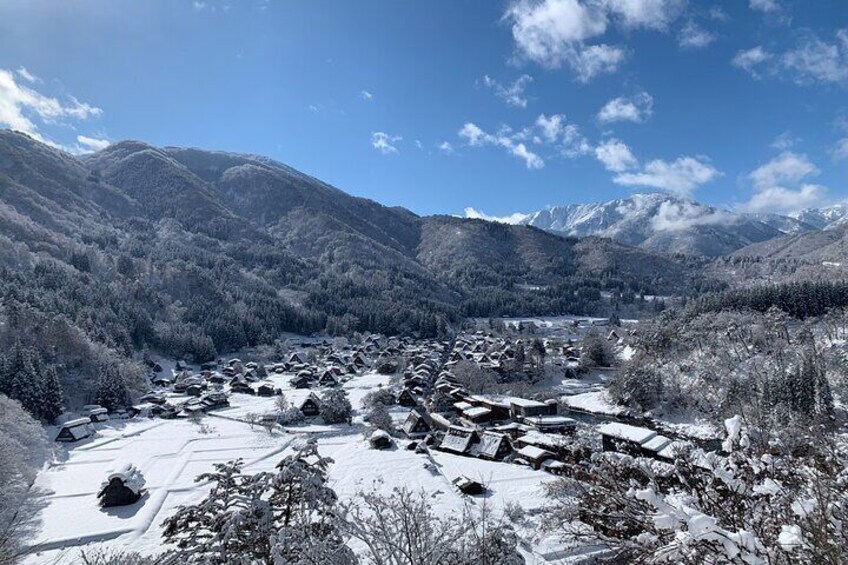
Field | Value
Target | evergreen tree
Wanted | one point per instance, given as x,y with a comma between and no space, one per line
52,397
112,392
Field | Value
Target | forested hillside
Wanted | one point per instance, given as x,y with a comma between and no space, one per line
195,253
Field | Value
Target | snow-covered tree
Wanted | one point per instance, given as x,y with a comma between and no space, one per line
52,399
402,528
112,392
23,448
335,406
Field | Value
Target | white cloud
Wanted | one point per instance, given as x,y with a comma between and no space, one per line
506,139
513,93
615,156
314,109
446,148
635,109
474,135
556,33
24,109
589,62
365,95
778,185
784,141
788,167
199,6
553,33
814,60
693,36
516,218
384,143
551,127
765,6
676,216
841,151
681,176
648,14
531,160
26,75
91,143
810,61
750,59
784,200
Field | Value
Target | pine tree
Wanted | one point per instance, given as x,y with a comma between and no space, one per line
112,392
52,397
20,380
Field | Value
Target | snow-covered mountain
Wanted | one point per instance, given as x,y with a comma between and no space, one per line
668,223
823,218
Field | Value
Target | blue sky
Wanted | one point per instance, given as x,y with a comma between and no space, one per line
503,106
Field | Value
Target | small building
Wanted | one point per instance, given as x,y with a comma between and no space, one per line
469,486
74,430
242,388
98,414
215,400
301,381
535,456
266,389
624,437
654,446
122,487
329,379
194,390
380,440
459,440
477,415
416,425
552,424
406,398
494,446
520,408
311,406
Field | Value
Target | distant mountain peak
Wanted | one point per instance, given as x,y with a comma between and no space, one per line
665,222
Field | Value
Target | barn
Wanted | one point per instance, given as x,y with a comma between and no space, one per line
74,430
123,486
311,406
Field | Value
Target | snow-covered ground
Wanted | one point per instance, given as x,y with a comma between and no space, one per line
171,453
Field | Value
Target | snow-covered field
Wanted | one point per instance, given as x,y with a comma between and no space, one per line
171,453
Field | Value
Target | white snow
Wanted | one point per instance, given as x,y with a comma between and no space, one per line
170,454
627,432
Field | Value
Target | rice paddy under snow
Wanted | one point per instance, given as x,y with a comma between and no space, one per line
171,453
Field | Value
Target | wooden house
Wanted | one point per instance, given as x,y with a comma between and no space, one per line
328,379
380,440
521,408
98,414
534,456
406,398
122,487
74,430
266,389
494,446
459,440
624,437
416,425
311,406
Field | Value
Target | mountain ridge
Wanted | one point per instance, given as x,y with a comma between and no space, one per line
667,223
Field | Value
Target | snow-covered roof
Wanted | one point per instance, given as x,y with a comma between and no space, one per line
551,421
525,402
489,443
379,434
462,406
457,439
76,423
129,475
657,443
627,432
535,453
476,412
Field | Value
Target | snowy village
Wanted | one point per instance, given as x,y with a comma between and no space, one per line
368,282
